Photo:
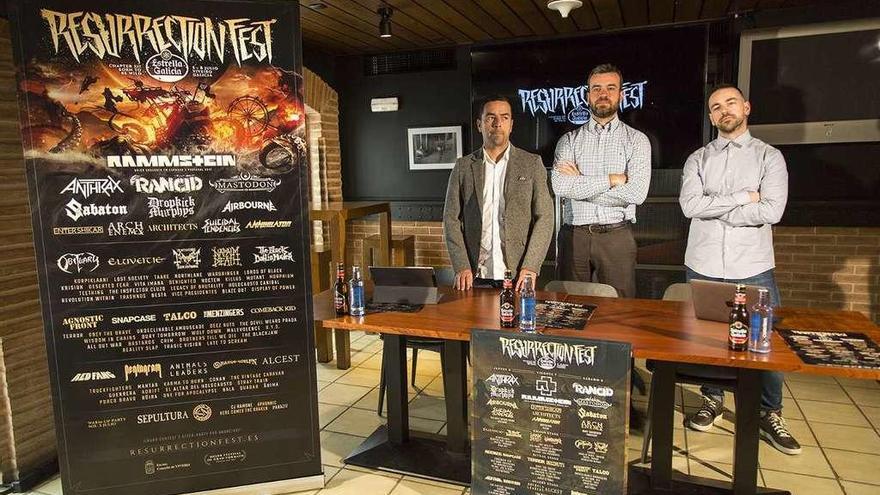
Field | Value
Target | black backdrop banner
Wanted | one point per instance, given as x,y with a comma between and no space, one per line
166,163
545,80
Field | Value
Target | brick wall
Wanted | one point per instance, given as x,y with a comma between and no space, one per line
829,267
817,267
322,98
430,244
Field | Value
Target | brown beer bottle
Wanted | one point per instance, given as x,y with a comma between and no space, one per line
738,336
340,291
508,302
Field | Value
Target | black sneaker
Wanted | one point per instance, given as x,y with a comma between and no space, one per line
708,415
773,429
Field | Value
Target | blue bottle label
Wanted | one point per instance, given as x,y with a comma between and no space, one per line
357,297
527,307
756,326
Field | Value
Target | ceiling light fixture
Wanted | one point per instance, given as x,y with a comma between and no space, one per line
317,5
385,22
564,6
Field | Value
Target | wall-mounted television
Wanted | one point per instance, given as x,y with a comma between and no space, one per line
815,83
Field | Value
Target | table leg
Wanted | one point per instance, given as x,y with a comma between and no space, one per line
394,355
392,447
384,239
343,349
662,419
337,239
455,393
323,342
745,446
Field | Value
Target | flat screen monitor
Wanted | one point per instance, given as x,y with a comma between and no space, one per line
815,83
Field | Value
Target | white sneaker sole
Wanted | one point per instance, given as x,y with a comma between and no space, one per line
784,450
690,424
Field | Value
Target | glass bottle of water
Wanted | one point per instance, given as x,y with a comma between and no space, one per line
527,314
761,325
356,292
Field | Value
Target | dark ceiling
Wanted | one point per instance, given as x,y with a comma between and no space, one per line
351,26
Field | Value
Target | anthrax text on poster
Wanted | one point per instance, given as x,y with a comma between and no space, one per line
549,415
166,162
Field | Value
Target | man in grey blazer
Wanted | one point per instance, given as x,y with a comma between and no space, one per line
498,213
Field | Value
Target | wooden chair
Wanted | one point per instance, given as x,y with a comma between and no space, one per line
322,274
403,251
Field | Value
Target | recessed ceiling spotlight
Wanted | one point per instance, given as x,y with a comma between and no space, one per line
317,5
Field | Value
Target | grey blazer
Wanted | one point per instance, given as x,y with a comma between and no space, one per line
527,215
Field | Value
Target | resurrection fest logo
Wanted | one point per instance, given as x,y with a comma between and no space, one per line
205,38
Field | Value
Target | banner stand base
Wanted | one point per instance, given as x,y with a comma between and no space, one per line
271,488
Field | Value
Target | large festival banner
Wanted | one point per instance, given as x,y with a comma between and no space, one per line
550,415
166,162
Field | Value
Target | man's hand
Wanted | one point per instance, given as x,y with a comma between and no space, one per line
754,197
567,168
617,179
464,280
520,280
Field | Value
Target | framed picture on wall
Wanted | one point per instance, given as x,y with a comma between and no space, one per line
432,148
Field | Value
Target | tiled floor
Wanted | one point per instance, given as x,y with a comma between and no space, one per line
837,421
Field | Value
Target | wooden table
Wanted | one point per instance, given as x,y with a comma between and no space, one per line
337,214
664,331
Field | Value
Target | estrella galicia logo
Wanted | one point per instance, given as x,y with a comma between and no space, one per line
579,115
167,67
78,262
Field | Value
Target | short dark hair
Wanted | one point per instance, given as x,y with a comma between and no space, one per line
719,87
605,69
490,99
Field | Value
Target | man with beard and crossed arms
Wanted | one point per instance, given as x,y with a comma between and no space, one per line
602,171
733,190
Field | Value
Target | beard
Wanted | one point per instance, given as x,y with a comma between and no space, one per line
605,111
729,125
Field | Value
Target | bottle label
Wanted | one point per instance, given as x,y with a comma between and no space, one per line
755,327
739,334
507,313
528,308
357,297
339,302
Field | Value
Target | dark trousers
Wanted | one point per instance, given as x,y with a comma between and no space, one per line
607,258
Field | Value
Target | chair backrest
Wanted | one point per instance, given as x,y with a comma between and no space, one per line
581,288
445,276
678,292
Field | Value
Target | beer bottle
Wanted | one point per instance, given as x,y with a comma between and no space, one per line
738,336
508,302
340,291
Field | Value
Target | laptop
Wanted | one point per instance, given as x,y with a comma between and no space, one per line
712,300
404,284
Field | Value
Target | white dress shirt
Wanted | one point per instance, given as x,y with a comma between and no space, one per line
491,262
731,237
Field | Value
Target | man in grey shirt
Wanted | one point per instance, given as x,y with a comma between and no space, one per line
733,190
